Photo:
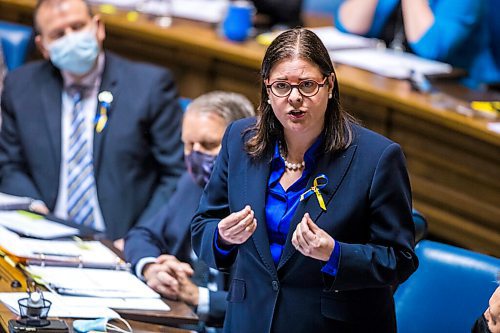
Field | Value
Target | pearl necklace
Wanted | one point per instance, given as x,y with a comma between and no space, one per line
291,166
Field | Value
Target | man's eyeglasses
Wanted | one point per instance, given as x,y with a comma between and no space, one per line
307,88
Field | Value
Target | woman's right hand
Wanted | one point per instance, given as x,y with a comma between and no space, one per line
237,227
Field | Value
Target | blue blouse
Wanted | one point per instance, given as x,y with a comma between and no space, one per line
459,36
281,206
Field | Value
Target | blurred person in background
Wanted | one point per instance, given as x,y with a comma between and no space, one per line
160,249
456,32
489,322
94,138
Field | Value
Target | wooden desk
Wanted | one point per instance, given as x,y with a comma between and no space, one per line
454,160
141,321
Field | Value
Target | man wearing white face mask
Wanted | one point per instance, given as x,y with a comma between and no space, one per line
93,137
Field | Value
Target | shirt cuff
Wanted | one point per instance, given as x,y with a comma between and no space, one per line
222,252
332,265
140,266
203,302
34,202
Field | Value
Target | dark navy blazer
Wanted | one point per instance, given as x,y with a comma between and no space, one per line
137,157
368,213
169,232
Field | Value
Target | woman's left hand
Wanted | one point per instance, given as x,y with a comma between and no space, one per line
312,241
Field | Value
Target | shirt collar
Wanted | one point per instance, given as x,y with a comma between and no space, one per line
309,157
90,81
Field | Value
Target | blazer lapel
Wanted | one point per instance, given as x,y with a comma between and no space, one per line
255,193
335,167
52,108
110,82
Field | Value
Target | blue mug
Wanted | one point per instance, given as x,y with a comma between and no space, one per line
238,21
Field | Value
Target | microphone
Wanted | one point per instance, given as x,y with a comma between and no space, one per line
34,309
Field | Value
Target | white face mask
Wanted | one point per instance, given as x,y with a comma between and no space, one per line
75,52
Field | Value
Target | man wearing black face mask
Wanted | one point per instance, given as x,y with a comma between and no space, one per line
199,166
160,249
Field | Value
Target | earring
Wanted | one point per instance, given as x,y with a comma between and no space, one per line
330,95
268,101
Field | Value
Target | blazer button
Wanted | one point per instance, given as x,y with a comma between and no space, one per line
276,285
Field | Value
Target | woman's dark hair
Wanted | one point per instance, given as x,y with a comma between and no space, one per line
304,44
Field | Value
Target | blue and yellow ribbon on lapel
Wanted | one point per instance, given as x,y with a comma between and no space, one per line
319,183
101,118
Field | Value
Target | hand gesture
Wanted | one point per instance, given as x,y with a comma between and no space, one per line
237,227
312,241
162,275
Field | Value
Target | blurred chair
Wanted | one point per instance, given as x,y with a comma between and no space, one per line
420,225
15,39
450,289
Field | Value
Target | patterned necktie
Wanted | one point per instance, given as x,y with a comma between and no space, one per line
80,179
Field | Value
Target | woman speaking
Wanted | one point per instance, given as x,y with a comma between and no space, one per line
312,209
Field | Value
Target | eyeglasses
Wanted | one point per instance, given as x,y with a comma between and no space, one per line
307,88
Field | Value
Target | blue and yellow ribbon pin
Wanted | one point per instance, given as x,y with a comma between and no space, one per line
319,183
101,118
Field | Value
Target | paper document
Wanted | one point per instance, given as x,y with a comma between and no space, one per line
331,37
337,40
33,225
126,4
59,252
62,307
495,127
389,63
211,11
149,304
90,282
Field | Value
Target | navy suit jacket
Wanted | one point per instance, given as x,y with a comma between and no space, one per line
168,232
368,213
138,157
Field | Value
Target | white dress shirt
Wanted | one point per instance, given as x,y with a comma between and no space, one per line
89,105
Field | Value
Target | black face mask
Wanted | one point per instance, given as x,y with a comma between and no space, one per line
200,166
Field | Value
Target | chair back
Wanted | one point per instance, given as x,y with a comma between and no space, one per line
15,39
450,289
